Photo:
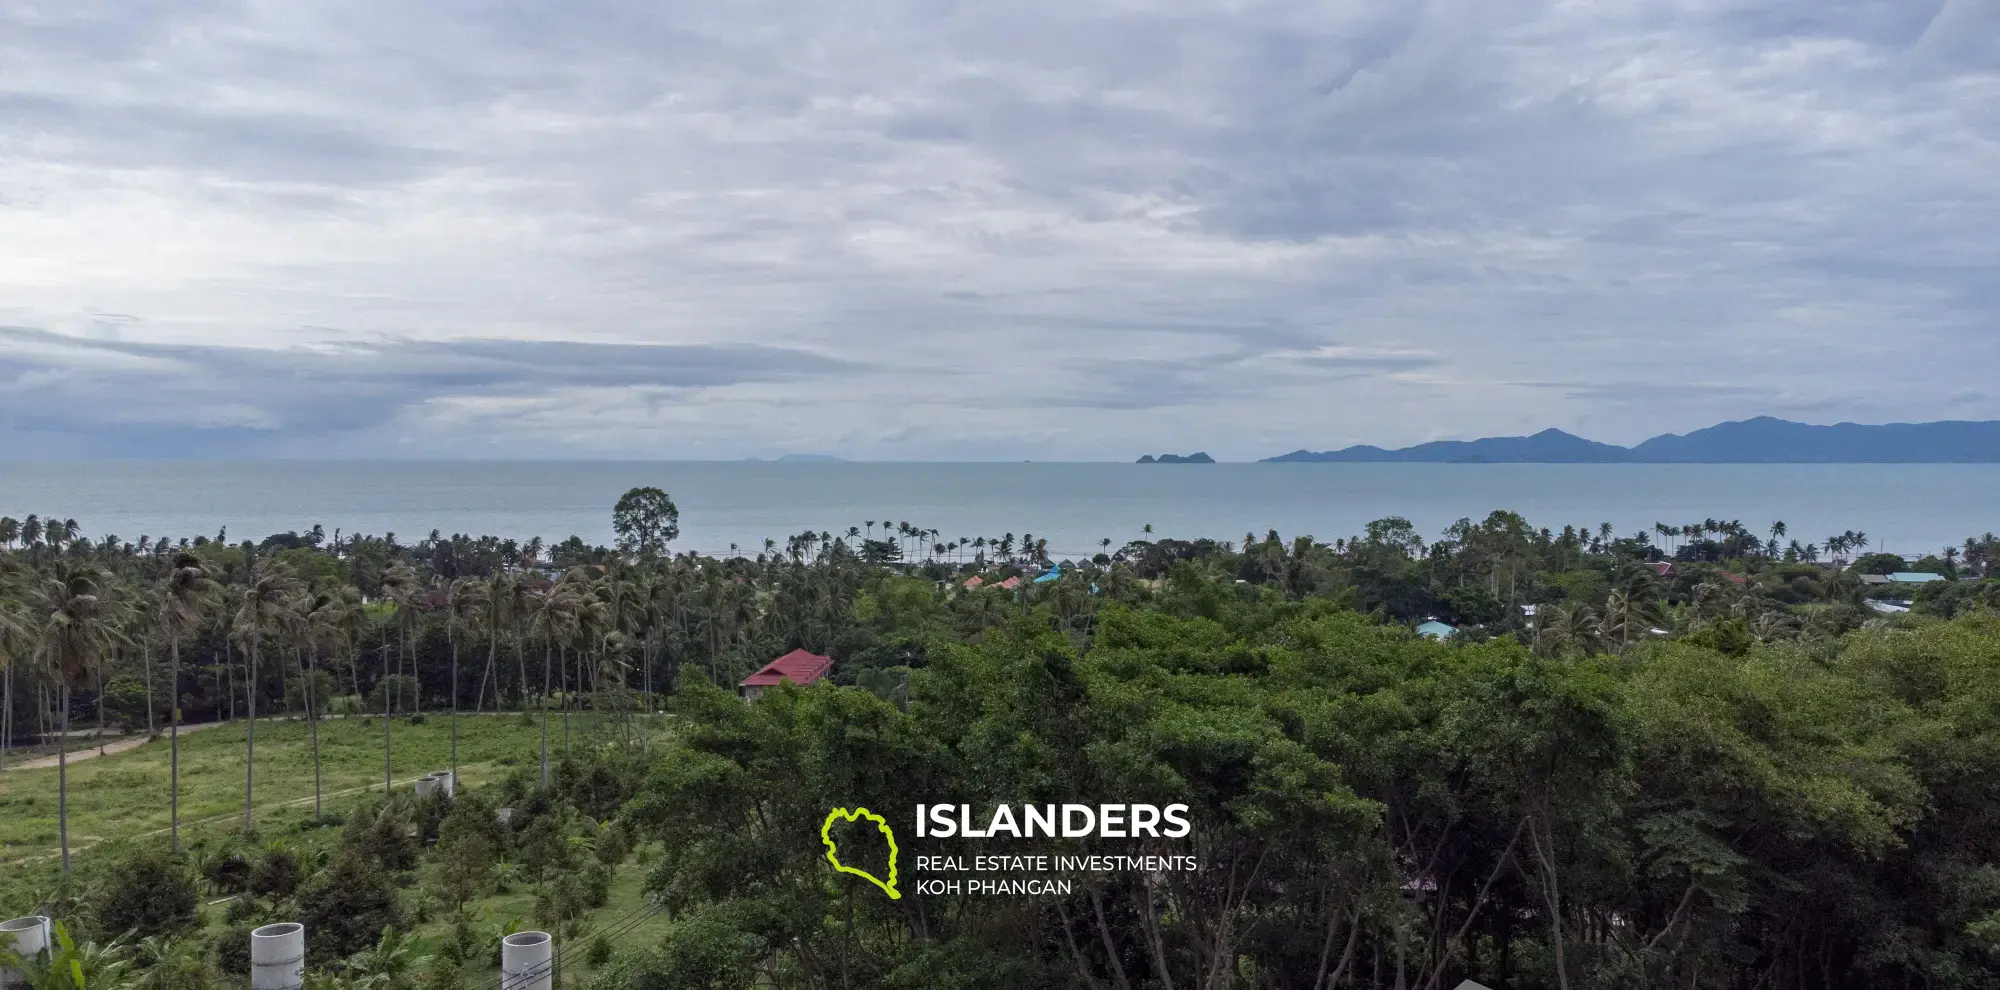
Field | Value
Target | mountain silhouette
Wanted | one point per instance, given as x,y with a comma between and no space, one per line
1762,440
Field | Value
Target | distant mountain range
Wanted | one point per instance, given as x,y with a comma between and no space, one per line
1198,457
1763,440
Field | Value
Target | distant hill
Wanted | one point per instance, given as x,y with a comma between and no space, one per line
1548,446
1763,440
807,458
1769,440
1198,457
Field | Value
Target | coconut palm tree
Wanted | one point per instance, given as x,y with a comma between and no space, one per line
188,587
269,605
14,643
550,615
488,601
77,624
399,584
322,615
461,612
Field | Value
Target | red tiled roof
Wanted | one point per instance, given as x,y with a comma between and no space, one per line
1011,583
974,582
798,666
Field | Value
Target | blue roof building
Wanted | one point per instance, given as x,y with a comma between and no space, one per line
1436,630
1914,577
1054,573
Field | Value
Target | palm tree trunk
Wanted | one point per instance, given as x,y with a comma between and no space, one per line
147,647
563,656
479,700
62,777
454,710
546,661
6,712
250,765
174,746
312,723
388,717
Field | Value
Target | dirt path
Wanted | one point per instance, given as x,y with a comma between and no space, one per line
110,749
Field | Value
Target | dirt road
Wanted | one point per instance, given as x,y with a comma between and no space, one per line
120,746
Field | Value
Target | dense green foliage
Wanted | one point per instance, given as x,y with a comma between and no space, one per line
1695,757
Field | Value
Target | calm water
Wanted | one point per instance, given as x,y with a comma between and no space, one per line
1906,508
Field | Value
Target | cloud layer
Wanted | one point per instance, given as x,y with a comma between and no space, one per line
1034,229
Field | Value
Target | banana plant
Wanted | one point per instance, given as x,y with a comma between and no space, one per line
70,966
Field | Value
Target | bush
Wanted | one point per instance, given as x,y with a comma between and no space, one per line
346,906
227,870
383,837
147,893
231,948
614,844
598,952
277,874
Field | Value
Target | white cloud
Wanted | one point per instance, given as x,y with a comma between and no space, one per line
992,230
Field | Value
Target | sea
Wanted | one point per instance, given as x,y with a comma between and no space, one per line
1904,508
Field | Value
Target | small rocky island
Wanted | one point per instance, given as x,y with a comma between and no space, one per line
1198,457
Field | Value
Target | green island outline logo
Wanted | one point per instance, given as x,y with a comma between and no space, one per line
833,852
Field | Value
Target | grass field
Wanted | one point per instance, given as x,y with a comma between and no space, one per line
124,795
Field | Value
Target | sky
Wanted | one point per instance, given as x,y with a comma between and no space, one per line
917,230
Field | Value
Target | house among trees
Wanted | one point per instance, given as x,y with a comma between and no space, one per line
1436,630
799,667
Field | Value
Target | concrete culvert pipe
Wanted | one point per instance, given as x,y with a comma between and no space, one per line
278,957
527,961
427,785
26,937
447,782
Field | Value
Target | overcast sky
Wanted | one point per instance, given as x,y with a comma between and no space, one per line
1049,229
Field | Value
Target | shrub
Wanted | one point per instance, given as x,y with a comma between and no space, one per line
614,845
146,893
346,906
598,952
227,870
383,837
277,874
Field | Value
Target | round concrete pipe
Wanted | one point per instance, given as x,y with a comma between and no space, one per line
427,784
527,961
27,937
448,782
278,957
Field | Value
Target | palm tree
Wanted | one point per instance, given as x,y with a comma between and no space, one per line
268,605
399,583
550,616
488,601
13,643
187,588
322,615
77,624
461,609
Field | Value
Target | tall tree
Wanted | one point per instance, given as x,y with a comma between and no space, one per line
267,607
186,590
646,520
78,624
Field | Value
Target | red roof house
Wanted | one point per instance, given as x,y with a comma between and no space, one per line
1010,584
974,582
1664,568
799,667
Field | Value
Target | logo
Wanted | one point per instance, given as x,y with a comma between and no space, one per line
833,852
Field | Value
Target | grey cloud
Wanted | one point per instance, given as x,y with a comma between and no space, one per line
1168,212
135,394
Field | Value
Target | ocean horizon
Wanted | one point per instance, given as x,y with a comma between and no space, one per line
1905,508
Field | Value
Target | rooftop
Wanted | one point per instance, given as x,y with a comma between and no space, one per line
799,667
